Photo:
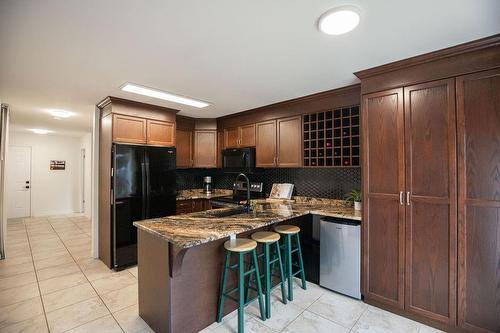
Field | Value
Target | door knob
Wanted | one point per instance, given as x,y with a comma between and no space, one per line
27,187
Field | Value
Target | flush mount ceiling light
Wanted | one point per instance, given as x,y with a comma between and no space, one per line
339,20
40,131
137,89
58,114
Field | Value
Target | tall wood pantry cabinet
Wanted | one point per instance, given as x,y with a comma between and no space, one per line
431,184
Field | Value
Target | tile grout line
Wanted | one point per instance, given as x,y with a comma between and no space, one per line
90,283
37,281
362,313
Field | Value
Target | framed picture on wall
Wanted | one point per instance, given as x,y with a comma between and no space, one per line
57,165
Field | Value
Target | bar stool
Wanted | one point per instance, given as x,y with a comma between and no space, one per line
268,239
289,231
241,247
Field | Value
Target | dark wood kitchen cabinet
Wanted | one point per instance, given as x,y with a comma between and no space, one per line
431,184
241,136
410,199
279,143
478,112
265,150
184,148
197,143
384,217
205,149
160,133
127,129
431,200
289,142
136,130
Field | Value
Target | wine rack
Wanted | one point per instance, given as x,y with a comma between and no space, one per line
332,138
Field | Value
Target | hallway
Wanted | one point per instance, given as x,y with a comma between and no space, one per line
50,281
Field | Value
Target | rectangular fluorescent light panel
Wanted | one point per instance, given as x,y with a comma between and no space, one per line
136,89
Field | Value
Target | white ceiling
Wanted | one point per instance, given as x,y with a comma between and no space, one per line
236,54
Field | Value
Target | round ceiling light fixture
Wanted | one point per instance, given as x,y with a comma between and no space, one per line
339,20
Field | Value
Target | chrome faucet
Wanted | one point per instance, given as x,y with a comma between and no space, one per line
248,188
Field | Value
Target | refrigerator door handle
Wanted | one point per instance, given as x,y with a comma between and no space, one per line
144,199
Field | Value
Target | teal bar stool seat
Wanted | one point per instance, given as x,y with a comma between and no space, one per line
270,240
288,232
241,247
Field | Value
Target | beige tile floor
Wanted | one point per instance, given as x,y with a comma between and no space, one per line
50,283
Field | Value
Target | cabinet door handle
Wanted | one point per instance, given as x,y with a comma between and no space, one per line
401,202
408,198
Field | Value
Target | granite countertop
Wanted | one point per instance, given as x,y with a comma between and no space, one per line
198,194
193,229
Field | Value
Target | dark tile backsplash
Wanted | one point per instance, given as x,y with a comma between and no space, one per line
313,182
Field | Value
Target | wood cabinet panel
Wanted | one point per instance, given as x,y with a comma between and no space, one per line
247,135
289,142
161,133
265,149
385,251
383,221
241,136
478,112
430,129
129,129
385,145
184,148
205,149
231,137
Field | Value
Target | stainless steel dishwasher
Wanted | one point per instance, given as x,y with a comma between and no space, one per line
340,256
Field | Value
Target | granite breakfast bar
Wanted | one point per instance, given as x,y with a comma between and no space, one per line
180,257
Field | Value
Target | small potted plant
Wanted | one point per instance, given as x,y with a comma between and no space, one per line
354,196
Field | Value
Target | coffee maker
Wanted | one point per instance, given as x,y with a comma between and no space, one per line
207,185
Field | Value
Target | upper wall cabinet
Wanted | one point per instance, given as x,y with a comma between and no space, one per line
279,143
205,149
198,143
289,142
266,144
241,136
184,148
138,123
129,129
160,133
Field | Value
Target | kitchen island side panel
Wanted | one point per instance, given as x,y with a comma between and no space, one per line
154,281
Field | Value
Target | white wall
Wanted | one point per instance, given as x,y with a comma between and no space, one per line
86,143
57,191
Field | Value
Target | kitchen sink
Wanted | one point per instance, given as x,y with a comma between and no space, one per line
224,212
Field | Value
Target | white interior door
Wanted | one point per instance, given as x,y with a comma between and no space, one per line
19,182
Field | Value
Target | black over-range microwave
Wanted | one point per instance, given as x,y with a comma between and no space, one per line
238,159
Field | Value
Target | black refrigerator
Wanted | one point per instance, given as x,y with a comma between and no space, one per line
143,187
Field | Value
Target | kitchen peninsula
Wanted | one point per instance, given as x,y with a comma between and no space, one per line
180,257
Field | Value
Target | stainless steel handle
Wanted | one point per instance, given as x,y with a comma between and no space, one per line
408,198
401,202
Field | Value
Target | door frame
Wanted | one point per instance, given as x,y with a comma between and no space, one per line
31,176
83,190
